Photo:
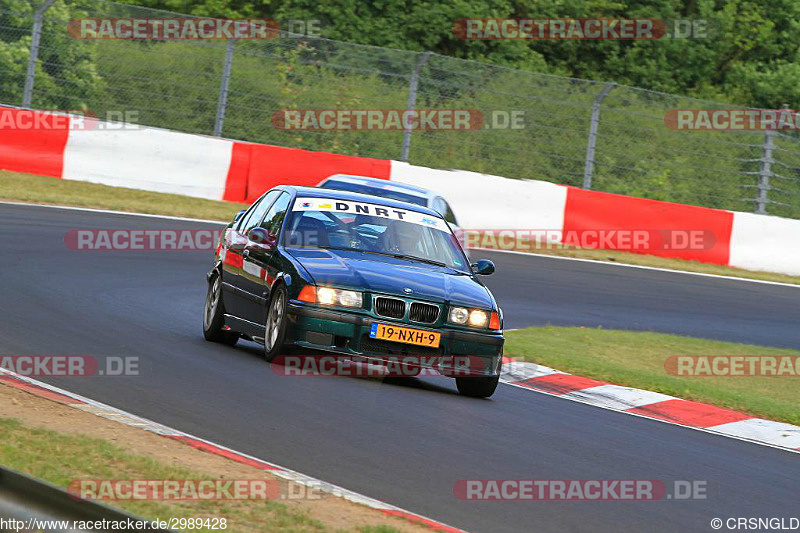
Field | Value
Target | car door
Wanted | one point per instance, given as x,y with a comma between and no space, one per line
259,267
233,263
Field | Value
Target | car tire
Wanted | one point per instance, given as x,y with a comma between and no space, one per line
276,323
477,387
214,315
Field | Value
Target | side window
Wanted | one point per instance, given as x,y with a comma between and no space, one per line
274,218
253,217
443,208
439,205
448,214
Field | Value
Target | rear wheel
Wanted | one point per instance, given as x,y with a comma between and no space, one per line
214,315
275,328
477,387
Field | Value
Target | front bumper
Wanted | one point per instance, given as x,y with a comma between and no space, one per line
346,333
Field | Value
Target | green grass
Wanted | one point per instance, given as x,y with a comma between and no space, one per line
59,458
19,187
636,359
42,190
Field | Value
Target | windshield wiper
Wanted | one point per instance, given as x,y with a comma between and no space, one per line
390,254
344,248
415,258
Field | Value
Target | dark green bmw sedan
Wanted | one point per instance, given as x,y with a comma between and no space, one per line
358,276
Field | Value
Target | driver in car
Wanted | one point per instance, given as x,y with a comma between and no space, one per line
402,237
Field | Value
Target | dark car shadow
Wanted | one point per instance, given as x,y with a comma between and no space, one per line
256,350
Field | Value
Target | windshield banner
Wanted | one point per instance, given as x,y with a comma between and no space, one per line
375,210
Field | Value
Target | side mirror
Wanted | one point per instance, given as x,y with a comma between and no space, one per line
239,215
483,267
234,241
260,239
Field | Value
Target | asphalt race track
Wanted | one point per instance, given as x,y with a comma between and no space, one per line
540,290
404,444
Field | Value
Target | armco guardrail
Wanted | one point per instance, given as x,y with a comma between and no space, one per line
207,167
49,508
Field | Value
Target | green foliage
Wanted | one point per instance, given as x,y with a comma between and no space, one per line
749,58
66,75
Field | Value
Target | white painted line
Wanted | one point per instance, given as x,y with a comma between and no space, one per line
619,398
123,417
642,267
561,258
591,402
111,212
519,371
776,433
127,419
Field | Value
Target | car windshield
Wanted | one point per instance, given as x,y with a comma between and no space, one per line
374,191
373,229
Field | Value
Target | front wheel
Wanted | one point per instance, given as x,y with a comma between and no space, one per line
275,328
477,387
214,315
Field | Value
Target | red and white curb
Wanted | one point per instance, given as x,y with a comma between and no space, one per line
653,405
77,401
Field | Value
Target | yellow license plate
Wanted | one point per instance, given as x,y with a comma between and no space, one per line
418,337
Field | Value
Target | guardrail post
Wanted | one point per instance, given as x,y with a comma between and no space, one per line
412,101
588,167
36,37
765,172
222,101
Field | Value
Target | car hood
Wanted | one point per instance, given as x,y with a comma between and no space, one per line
389,275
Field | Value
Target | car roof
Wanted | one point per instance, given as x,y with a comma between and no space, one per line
382,184
335,194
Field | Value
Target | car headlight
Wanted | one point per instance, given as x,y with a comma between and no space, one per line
477,318
350,298
458,315
326,296
330,296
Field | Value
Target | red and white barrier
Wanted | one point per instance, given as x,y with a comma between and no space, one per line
149,159
760,242
220,169
490,202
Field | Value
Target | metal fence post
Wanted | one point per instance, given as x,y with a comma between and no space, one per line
588,167
222,101
412,101
36,36
765,172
